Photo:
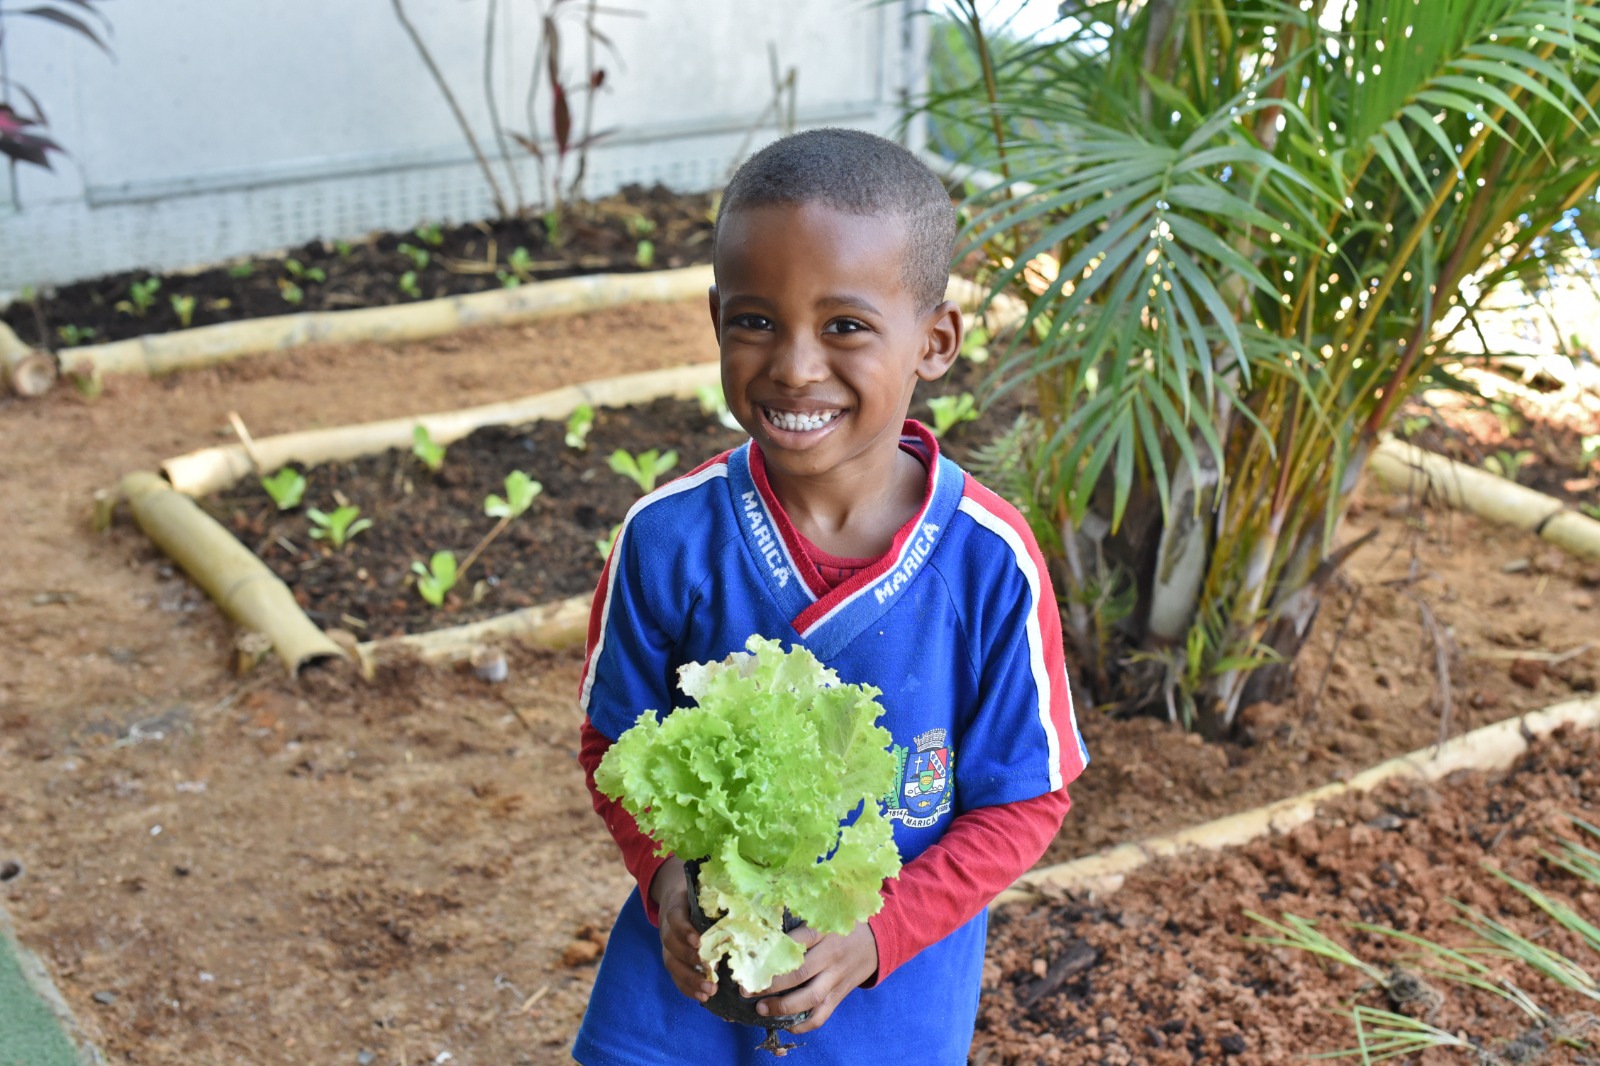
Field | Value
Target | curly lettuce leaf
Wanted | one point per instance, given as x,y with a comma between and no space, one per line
757,778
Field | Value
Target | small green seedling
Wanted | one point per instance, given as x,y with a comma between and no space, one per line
74,335
435,580
287,488
520,493
418,256
300,272
141,297
951,411
1591,509
645,468
430,233
339,527
712,402
1507,464
578,426
640,226
183,307
645,255
424,448
344,249
240,271
605,543
521,268
292,293
975,345
552,228
409,286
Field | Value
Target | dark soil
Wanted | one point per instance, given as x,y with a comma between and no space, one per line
1161,974
598,237
547,554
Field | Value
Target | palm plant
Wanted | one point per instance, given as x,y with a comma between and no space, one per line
1244,233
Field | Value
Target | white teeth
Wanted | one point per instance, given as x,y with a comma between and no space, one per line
796,422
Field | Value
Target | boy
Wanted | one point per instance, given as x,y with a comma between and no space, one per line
840,527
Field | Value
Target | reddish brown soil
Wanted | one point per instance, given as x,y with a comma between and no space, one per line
1161,972
603,236
258,870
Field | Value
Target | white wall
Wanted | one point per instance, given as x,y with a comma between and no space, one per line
225,127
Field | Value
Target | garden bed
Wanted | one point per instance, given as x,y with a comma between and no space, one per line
552,552
1162,971
637,229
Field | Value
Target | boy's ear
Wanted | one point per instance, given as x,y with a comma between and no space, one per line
715,302
945,329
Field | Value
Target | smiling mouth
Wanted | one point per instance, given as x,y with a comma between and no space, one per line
799,421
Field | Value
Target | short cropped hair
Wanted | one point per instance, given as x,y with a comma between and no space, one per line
857,173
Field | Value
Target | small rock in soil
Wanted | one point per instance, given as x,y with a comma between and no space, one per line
1233,1044
364,1057
105,999
580,953
10,869
1526,672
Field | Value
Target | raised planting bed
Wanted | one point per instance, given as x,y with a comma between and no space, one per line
1172,968
636,230
546,558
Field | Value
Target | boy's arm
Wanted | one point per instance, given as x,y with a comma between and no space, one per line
638,850
981,855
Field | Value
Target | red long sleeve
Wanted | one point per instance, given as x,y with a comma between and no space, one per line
982,853
638,850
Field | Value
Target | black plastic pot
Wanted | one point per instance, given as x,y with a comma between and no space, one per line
726,1002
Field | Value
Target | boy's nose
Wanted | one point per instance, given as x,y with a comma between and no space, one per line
798,362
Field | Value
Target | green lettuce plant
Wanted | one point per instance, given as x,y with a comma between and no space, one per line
426,449
435,580
643,469
287,488
755,779
141,297
579,424
183,307
604,544
339,527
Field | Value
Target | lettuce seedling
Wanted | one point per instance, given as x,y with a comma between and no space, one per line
644,468
141,297
644,256
430,233
435,580
183,307
712,402
424,448
408,285
418,256
950,411
756,779
339,527
520,493
579,424
604,544
287,488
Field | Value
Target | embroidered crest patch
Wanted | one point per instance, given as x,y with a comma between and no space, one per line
924,787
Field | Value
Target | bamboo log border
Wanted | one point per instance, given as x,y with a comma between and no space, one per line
209,470
161,353
231,574
1491,747
1406,468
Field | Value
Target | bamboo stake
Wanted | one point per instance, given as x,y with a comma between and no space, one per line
1404,467
562,624
231,575
162,353
29,372
213,469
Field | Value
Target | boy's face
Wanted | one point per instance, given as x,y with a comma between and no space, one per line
822,342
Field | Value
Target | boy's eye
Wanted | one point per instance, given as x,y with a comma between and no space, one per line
750,322
845,325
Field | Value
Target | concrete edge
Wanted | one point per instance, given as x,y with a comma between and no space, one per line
36,976
1490,747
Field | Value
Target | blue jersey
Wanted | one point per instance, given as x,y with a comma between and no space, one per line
956,625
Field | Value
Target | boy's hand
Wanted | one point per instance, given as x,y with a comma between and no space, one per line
835,966
680,944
